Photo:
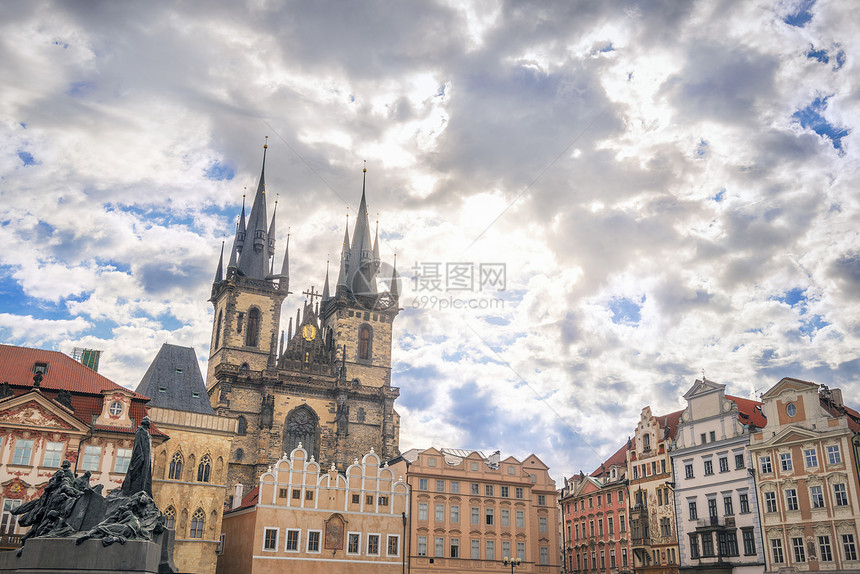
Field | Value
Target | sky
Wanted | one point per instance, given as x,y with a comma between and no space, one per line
591,203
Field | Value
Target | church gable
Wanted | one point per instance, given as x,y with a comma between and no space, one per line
702,387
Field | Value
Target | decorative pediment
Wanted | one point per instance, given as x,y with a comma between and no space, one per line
34,410
702,387
790,387
792,434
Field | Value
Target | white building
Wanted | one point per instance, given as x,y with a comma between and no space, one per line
719,530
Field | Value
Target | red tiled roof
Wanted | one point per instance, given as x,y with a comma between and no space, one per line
619,458
671,420
249,500
749,411
16,368
850,414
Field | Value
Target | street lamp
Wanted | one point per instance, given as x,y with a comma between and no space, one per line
512,562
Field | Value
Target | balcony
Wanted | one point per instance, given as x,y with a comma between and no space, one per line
714,522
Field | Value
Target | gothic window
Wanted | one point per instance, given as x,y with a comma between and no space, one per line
203,469
170,517
361,414
197,521
243,425
244,369
251,333
218,328
240,454
365,340
302,427
175,467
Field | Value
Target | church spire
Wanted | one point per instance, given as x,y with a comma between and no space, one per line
394,290
344,257
376,259
232,263
361,275
326,295
272,231
253,261
285,266
219,272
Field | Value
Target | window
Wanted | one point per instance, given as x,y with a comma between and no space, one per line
766,467
799,550
713,436
608,498
599,498
620,496
542,500
270,539
489,516
423,484
170,517
665,528
506,517
610,525
175,467
364,342
242,426
731,543
542,524
197,521
203,469
688,470
728,508
816,493
455,547
707,544
297,494
423,511
520,518
810,457
455,487
833,455
475,488
475,515
840,495
521,551
356,499
622,523
353,544
724,464
422,546
506,549
430,461
123,459
490,550
745,503
314,540
749,542
577,531
712,507
92,457
518,492
383,500
506,492
53,454
694,513
544,555
253,327
694,546
776,551
791,499
373,544
455,513
23,450
440,486
488,490
612,558
440,513
825,552
848,547
709,467
8,521
439,547
476,549
785,462
473,465
770,502
739,462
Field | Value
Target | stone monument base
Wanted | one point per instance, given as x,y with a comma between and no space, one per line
62,555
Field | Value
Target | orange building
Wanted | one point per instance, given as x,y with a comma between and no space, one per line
806,472
469,512
303,519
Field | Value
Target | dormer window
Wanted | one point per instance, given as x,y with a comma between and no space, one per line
40,368
115,409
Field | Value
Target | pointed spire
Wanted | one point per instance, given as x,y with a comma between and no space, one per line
232,263
285,266
376,259
240,229
394,289
290,330
326,295
361,252
219,272
272,232
253,261
344,256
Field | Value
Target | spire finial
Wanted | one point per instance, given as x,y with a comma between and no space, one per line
266,145
365,167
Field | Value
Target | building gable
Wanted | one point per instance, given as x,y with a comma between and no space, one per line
34,410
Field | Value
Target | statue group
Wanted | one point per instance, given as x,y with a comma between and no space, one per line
71,508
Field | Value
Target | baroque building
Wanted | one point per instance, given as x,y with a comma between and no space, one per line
715,496
806,469
325,383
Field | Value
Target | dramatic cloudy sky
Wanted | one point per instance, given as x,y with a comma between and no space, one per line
671,187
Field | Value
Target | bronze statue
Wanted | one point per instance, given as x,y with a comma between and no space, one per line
139,475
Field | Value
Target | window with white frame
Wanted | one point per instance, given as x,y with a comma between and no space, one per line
314,537
799,550
833,454
123,459
489,516
770,502
392,546
476,550
440,486
766,467
270,539
439,546
816,494
53,454
709,466
490,550
440,513
521,519
455,487
542,526
423,511
23,451
293,537
455,547
776,551
506,517
455,513
353,543
848,547
810,457
785,463
373,544
739,462
544,555
840,495
422,546
92,457
8,521
423,483
825,553
791,499
475,515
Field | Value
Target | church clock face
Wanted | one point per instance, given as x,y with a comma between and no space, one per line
309,332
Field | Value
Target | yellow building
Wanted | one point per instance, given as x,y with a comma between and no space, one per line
303,519
469,512
190,470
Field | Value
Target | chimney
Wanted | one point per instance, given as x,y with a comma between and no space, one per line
237,495
836,397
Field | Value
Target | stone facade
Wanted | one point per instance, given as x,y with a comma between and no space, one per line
196,440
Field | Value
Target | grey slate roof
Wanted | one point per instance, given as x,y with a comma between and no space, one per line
176,371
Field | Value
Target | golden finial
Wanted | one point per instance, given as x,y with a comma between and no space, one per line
266,145
365,167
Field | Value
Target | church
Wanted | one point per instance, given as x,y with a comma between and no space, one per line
323,384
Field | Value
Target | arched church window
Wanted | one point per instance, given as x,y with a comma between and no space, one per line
365,338
203,469
170,517
198,519
242,427
218,328
240,454
361,414
175,472
302,427
251,335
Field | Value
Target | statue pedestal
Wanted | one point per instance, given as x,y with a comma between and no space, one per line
62,555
